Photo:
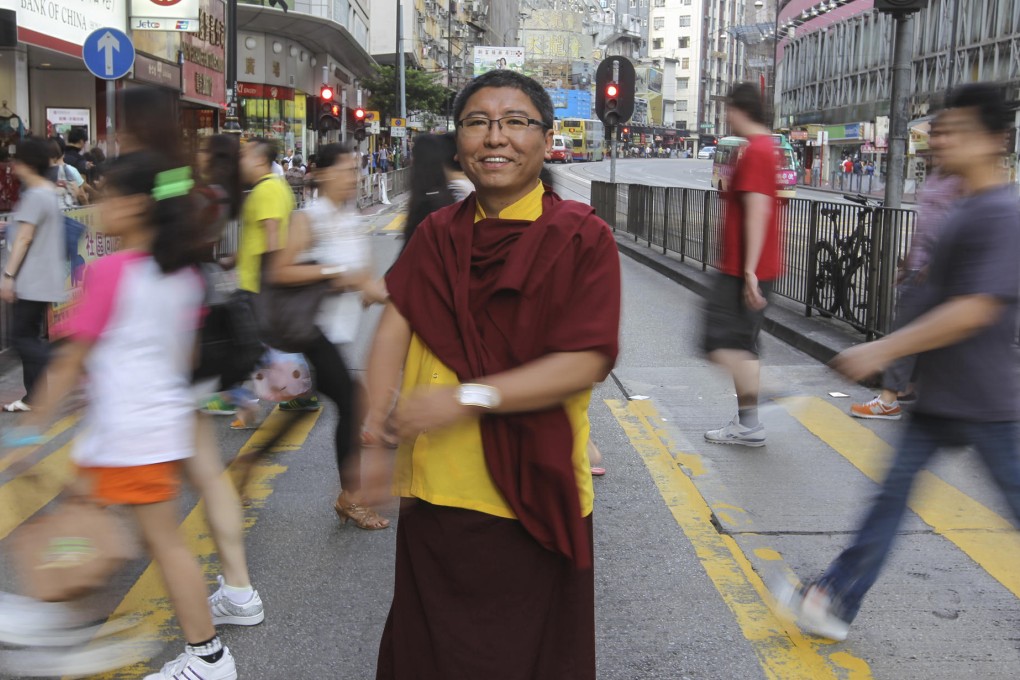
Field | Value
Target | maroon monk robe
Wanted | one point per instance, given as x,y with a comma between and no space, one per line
490,296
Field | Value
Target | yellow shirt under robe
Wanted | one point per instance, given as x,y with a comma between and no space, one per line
447,466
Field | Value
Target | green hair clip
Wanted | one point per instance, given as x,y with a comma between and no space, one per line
173,183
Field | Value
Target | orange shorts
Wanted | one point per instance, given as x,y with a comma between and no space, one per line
136,485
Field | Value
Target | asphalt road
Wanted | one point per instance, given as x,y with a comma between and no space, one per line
684,531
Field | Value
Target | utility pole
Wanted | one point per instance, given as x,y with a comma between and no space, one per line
449,59
231,125
401,99
899,109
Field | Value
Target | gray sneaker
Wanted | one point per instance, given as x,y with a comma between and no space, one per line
226,612
735,433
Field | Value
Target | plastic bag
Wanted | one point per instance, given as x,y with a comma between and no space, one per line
281,377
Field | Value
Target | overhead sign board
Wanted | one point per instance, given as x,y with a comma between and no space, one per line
165,15
108,53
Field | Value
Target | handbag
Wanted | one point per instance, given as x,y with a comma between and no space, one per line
286,314
229,344
70,552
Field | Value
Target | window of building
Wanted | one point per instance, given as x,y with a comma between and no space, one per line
685,43
660,22
683,83
681,105
680,125
657,44
644,23
685,63
660,3
685,20
686,2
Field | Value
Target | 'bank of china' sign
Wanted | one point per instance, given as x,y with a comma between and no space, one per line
67,21
165,15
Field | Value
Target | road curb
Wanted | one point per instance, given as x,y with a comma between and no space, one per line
818,338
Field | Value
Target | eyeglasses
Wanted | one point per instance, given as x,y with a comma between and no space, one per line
478,126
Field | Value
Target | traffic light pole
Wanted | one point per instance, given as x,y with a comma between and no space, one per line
615,144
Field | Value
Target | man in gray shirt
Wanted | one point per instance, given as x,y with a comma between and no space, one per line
35,272
967,370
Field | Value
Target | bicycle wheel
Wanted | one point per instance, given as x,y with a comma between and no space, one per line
854,295
825,294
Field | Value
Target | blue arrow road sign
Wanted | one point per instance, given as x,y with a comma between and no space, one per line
108,53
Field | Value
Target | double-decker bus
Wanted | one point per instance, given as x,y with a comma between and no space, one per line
729,150
588,137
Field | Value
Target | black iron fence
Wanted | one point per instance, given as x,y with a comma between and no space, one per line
840,260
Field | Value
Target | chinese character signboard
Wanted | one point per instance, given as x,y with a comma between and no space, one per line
493,58
205,56
165,15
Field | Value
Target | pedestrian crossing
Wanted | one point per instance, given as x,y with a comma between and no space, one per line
677,467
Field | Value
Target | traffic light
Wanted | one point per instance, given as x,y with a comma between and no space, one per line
329,110
614,91
359,124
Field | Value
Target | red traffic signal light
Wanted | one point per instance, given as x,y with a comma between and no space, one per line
359,114
612,90
626,131
326,93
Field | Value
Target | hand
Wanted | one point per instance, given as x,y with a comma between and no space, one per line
7,290
426,409
374,292
862,361
753,297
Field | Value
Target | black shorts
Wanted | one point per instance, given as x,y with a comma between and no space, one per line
729,324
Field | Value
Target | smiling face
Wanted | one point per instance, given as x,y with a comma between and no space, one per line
502,164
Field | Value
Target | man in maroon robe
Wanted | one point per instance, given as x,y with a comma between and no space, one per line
503,311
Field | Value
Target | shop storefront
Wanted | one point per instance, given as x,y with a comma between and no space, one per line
203,83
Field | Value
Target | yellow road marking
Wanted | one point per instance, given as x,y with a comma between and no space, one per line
396,224
969,525
58,429
783,651
147,597
31,491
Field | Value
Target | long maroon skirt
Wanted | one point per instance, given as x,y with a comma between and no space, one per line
476,598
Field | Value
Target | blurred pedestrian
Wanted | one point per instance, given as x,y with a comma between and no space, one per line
34,276
133,331
750,264
69,183
968,388
325,243
494,542
935,200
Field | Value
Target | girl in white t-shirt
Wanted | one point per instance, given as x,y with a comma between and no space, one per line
134,332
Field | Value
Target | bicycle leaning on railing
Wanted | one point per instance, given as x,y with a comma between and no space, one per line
841,267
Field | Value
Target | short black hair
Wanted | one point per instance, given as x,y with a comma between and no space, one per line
518,81
989,102
56,148
33,152
330,153
77,136
266,147
746,97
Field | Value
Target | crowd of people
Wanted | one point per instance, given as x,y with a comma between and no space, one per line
499,315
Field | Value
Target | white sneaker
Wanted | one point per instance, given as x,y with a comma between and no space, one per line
817,616
227,612
25,622
810,607
89,658
189,667
735,433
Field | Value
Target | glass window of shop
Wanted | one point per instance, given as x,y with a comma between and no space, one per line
273,112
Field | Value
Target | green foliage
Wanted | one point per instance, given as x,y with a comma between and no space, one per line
423,93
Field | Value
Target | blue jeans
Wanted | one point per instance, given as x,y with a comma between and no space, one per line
852,574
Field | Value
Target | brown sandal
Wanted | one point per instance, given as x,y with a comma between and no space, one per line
364,518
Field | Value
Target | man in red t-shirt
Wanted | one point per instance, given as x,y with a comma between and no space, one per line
750,263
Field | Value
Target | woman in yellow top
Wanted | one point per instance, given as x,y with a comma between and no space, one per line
504,310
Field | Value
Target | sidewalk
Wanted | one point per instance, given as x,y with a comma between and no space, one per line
819,338
878,193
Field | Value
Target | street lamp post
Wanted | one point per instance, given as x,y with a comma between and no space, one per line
232,125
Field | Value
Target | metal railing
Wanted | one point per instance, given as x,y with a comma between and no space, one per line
833,257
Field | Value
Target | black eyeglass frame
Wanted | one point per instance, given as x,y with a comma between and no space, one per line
499,122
